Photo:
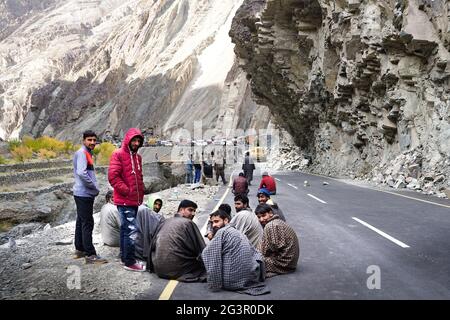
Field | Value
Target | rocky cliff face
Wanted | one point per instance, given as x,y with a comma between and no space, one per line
66,66
362,86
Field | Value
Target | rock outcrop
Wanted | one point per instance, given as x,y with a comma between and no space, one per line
363,87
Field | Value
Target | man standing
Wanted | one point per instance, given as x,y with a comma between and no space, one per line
176,249
189,168
219,168
85,190
231,262
125,176
279,244
248,168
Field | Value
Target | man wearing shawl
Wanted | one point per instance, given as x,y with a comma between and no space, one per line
231,262
147,221
279,244
175,252
245,220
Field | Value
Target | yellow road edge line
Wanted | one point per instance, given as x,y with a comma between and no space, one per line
168,290
171,285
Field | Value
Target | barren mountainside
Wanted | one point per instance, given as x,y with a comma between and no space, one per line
66,66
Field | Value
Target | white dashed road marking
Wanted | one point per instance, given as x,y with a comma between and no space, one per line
397,242
316,198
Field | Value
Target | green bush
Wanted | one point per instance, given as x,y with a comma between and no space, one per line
103,153
69,147
14,143
44,142
3,160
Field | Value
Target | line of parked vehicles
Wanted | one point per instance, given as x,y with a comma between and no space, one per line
256,152
188,142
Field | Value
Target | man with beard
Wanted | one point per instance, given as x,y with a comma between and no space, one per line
231,262
148,219
125,176
245,220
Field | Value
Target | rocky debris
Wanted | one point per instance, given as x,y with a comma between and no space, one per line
357,84
41,268
289,156
406,171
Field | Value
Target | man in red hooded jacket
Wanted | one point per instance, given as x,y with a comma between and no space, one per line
125,176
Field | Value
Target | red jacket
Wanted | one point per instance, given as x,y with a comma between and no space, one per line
125,173
269,183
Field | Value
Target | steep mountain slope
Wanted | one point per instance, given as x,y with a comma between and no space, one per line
112,64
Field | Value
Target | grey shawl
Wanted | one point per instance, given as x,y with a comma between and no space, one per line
176,251
147,222
246,222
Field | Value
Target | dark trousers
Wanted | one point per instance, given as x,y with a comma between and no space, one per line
221,173
249,175
84,225
128,233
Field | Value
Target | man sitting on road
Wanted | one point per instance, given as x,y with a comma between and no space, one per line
268,182
147,221
110,222
210,231
264,197
245,220
240,185
154,202
279,244
175,251
231,262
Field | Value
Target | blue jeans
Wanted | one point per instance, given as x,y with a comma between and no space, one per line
128,233
198,175
188,176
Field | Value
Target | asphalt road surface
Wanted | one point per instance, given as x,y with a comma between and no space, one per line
355,243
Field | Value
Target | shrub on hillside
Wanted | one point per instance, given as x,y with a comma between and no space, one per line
22,153
44,142
47,154
2,160
14,143
103,153
69,147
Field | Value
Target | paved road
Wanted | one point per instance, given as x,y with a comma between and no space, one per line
347,234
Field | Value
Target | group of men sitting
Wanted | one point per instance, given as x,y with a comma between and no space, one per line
242,248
